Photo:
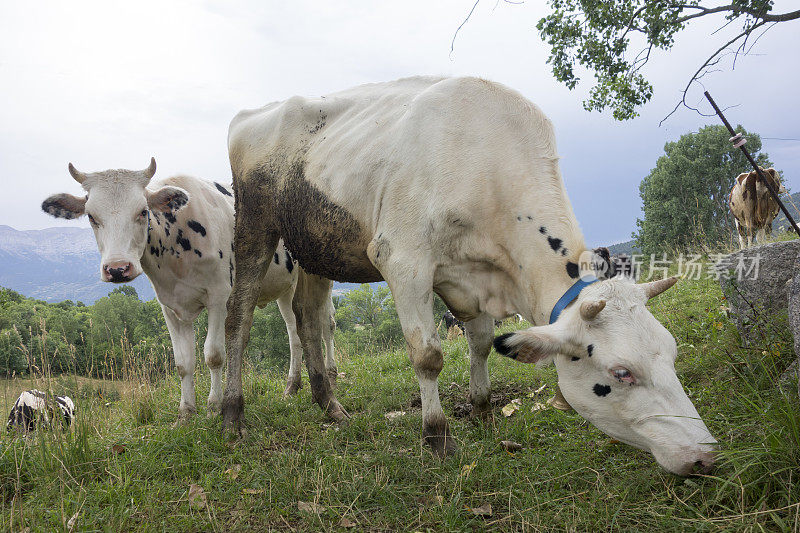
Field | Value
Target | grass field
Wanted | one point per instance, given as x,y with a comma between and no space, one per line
124,467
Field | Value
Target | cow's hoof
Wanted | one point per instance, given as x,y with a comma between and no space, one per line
185,414
232,411
333,374
213,411
436,434
292,386
482,412
336,411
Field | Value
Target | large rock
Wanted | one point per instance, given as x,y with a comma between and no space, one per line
755,282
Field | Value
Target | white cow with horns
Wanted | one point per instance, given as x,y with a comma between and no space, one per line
179,231
449,186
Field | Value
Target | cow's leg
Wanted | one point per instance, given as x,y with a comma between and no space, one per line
310,307
294,381
254,245
761,236
413,296
328,327
479,337
739,230
214,352
183,346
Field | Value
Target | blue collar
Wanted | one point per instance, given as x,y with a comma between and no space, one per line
570,296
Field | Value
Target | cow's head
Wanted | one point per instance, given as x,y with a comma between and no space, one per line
615,365
118,205
774,179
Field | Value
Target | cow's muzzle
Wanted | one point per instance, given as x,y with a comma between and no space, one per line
117,272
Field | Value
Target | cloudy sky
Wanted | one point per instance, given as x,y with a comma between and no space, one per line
108,84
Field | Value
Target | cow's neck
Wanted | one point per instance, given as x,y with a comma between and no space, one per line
548,282
160,251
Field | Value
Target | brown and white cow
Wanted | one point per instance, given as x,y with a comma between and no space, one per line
753,207
449,186
179,231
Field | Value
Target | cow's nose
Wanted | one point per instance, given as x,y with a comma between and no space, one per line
116,272
704,463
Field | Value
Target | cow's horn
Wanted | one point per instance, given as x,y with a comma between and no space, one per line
590,309
76,174
150,171
654,288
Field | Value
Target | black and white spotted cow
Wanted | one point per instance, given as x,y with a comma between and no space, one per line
179,231
451,186
452,322
34,408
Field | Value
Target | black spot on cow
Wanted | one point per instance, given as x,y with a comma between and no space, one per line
530,217
222,189
542,230
198,252
554,243
590,349
230,269
170,217
277,259
576,359
184,242
166,229
320,123
196,227
289,262
220,254
563,252
519,219
154,251
572,269
601,390
177,201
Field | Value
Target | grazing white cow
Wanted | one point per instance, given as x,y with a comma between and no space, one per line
449,186
179,231
34,407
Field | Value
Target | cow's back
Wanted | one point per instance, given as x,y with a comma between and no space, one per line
410,153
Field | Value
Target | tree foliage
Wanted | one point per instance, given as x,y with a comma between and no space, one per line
685,197
614,39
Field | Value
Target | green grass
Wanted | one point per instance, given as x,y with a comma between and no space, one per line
124,467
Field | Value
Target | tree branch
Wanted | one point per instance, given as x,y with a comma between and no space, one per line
782,17
453,42
712,60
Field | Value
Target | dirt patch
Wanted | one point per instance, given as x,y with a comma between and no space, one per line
455,397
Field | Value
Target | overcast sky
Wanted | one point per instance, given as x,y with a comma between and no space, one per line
108,84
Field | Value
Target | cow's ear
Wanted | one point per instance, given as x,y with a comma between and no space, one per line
64,206
534,345
167,199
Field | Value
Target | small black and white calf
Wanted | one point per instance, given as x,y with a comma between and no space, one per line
34,407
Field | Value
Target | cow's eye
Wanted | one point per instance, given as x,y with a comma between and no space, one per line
143,214
92,221
623,375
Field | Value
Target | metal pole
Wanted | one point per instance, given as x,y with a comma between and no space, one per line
772,191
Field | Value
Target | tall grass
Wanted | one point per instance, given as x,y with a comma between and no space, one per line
123,466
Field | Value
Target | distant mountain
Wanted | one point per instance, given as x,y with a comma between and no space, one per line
627,247
56,264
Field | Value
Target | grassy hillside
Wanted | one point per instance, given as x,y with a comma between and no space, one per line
124,467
